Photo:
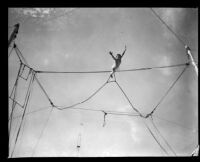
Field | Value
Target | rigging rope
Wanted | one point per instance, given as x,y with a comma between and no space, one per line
14,103
45,125
14,89
155,138
107,111
10,51
173,122
181,41
44,91
167,91
84,109
31,112
86,98
20,54
129,100
25,107
172,150
10,125
28,100
16,79
13,134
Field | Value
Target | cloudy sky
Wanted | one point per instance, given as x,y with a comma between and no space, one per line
79,39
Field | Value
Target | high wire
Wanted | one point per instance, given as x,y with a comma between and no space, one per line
108,71
22,59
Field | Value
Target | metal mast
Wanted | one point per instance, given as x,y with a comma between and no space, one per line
14,34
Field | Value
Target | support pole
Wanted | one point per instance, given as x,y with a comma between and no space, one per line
189,54
14,34
78,144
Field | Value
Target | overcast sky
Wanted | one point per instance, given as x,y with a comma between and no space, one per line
79,39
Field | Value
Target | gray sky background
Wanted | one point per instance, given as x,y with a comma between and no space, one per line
80,40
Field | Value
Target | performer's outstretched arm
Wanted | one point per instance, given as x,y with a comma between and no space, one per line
124,52
112,55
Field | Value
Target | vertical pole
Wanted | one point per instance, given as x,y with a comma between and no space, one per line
79,140
14,34
78,144
190,57
189,54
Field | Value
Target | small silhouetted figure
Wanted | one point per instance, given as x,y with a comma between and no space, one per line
117,61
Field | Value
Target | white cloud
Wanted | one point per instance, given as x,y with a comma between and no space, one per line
66,56
29,12
41,12
46,62
163,60
126,108
132,124
36,12
134,130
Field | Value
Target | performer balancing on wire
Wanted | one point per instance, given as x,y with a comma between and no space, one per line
117,61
